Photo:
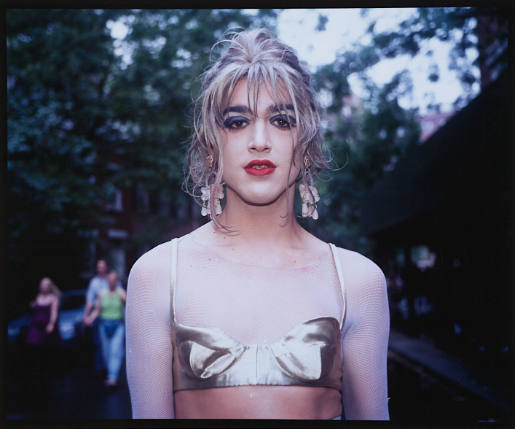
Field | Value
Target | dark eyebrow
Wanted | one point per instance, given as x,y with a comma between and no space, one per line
236,109
280,108
271,109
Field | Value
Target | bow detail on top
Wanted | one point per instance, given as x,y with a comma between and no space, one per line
207,351
307,351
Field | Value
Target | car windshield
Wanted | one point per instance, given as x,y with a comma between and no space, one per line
72,302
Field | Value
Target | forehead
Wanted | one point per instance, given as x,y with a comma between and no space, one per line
241,95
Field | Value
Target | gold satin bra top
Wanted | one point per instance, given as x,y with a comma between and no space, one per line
308,355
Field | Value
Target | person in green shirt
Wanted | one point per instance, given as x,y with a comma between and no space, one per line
109,306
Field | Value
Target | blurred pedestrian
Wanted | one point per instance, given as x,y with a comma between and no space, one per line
110,306
96,285
43,331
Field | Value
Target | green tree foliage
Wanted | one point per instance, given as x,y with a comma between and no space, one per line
458,25
59,117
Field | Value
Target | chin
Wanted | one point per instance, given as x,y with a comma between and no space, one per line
262,196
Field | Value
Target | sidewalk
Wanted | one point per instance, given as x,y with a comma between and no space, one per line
447,366
74,394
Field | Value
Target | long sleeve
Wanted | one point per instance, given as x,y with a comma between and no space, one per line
91,292
365,343
149,348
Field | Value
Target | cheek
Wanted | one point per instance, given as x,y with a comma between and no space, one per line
227,153
229,157
290,152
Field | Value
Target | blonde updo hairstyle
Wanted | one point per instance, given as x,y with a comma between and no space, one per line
260,58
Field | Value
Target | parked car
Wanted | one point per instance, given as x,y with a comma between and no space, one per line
71,309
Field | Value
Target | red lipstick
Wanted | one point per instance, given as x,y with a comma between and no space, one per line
260,167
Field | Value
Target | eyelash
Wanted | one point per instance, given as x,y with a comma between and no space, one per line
232,120
288,122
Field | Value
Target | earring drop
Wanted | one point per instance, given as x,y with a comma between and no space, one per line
310,197
206,195
309,194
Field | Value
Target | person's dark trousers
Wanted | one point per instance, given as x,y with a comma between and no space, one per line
99,364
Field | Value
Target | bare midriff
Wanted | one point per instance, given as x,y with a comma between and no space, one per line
258,402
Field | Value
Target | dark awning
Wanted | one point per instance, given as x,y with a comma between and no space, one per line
464,153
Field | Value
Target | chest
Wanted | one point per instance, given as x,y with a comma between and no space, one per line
254,304
44,301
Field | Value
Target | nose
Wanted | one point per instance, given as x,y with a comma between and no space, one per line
259,140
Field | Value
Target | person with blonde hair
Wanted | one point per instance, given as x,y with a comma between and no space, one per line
42,327
43,333
250,316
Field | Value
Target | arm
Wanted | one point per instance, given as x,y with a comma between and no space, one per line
89,301
87,310
123,295
53,315
148,334
365,344
94,314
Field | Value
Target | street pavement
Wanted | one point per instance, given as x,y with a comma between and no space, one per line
72,391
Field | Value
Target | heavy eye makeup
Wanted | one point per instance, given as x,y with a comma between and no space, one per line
236,122
283,121
280,121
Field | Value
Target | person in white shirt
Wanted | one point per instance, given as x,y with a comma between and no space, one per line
96,285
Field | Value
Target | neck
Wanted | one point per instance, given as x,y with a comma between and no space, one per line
269,225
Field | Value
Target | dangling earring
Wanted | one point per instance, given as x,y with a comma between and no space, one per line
309,194
206,194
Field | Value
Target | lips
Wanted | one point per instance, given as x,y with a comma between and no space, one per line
260,167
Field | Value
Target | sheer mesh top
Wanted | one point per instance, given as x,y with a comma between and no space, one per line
249,304
309,354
